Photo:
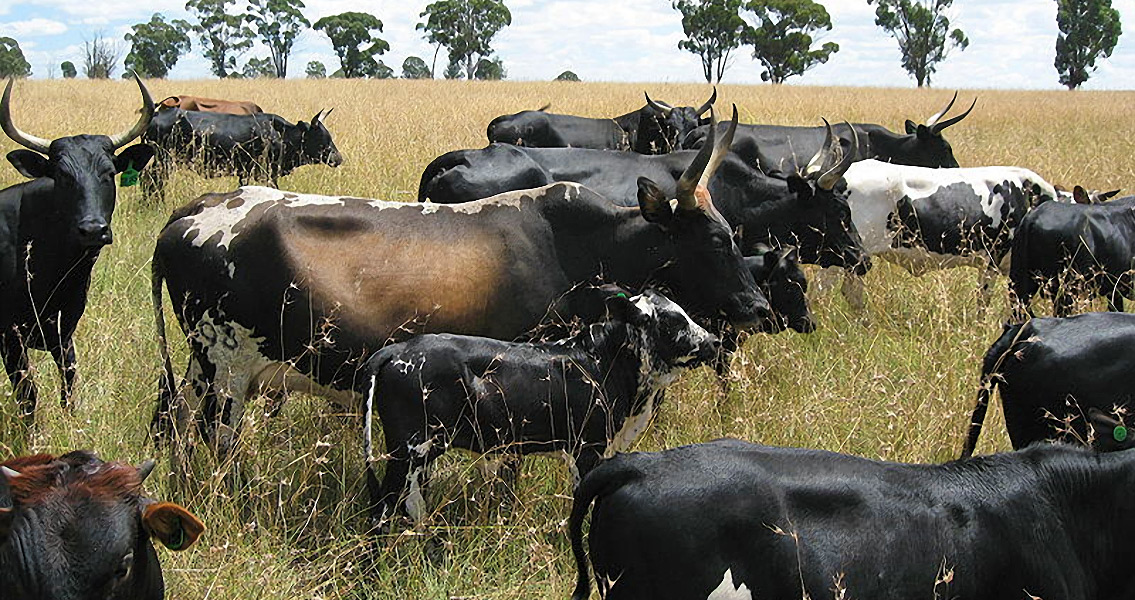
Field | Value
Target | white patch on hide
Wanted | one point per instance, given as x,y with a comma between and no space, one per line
727,590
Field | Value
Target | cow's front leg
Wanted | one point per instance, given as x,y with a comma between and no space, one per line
16,364
64,356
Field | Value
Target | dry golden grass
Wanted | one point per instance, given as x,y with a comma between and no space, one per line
896,382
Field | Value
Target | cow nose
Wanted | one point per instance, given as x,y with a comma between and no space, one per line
806,325
334,159
95,234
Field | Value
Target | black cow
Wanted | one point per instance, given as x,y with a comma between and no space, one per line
52,230
585,396
738,521
1053,371
803,210
256,148
775,149
1066,250
276,289
656,128
73,527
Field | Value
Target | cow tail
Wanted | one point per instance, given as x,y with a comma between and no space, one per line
604,479
372,371
435,169
990,371
160,425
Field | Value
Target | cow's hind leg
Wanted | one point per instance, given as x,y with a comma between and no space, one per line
64,356
18,368
404,481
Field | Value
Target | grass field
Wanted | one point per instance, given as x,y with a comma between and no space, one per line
896,382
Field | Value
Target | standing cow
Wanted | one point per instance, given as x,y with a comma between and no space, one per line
1067,250
52,230
656,128
279,290
73,527
738,521
584,397
1052,372
255,148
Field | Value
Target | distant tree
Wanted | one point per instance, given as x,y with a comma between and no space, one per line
713,31
782,36
1089,29
68,69
381,71
567,76
352,38
156,46
224,37
259,68
278,22
315,70
415,68
12,61
465,28
100,57
922,31
490,70
453,70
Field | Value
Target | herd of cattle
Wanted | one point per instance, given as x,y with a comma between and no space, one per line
519,308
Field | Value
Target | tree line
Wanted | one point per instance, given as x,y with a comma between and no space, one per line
783,36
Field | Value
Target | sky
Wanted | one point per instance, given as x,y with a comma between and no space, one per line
1012,42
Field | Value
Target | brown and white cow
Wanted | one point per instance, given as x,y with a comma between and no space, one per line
229,107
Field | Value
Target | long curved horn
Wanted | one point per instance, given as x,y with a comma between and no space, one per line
934,118
661,107
828,180
708,103
145,469
688,182
821,155
720,149
121,139
26,140
940,126
9,473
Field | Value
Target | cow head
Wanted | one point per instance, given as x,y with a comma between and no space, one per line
314,142
74,527
1079,195
778,273
923,146
825,232
707,273
671,336
81,169
663,127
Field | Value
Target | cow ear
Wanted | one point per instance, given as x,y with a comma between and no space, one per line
134,157
1108,433
1080,195
772,259
654,203
789,254
32,165
799,185
621,308
911,128
175,527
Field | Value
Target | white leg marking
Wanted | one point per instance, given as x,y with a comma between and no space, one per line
728,591
368,444
415,503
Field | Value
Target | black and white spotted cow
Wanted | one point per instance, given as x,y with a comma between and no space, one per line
729,520
924,219
585,397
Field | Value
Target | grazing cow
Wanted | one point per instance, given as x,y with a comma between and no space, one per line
584,397
256,148
775,149
229,107
1052,371
924,219
52,230
1067,250
739,521
276,289
656,128
74,527
801,210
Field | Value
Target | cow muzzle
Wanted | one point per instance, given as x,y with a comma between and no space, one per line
95,234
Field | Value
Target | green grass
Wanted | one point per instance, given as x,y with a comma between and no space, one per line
896,382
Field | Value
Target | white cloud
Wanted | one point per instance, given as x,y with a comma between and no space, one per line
37,27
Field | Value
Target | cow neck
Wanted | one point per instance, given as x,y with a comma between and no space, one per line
767,209
622,352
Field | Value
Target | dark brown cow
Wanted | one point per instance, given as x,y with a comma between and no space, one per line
228,107
74,527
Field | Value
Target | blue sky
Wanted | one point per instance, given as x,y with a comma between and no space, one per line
1011,41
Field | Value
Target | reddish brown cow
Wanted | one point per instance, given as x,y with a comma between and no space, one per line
229,107
74,527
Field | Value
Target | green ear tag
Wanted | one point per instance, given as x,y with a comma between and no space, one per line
129,176
620,295
1119,433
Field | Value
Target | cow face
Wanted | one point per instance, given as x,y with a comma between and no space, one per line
778,273
662,127
74,527
824,231
316,143
674,338
82,170
923,145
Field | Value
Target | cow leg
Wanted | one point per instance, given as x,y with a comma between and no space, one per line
64,356
584,462
402,484
18,368
853,291
1115,300
985,280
